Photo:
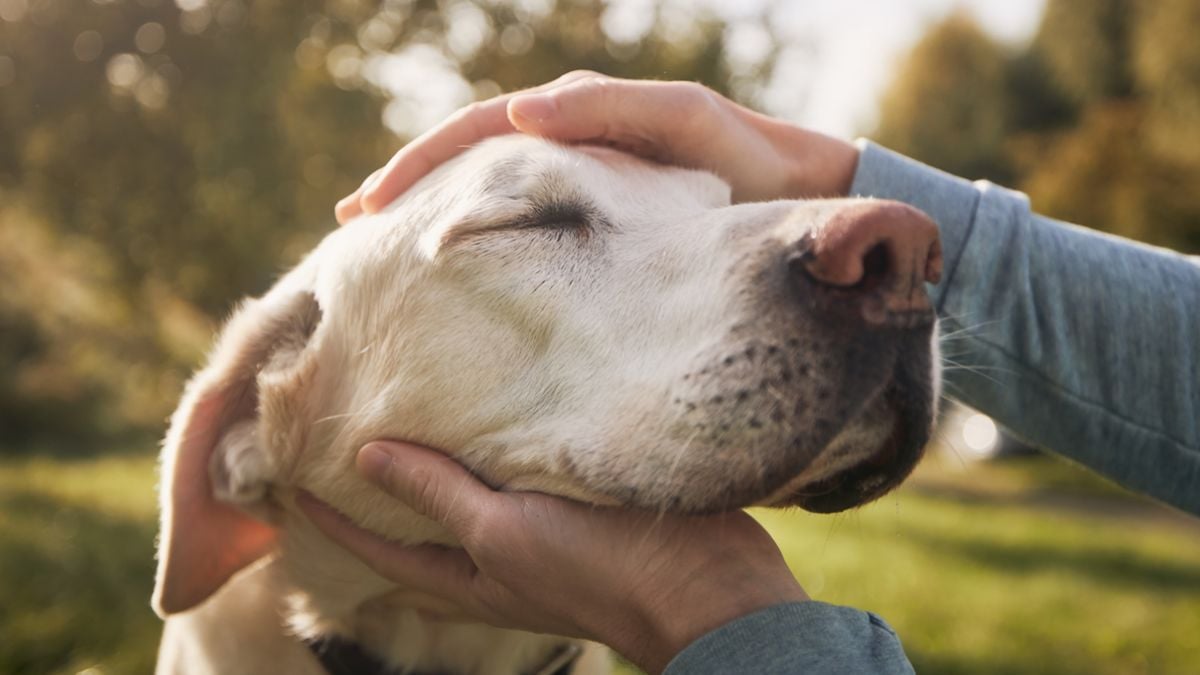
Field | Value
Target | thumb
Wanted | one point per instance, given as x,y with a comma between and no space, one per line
429,482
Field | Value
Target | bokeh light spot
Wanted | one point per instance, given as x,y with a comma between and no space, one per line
980,434
150,37
516,39
88,46
124,70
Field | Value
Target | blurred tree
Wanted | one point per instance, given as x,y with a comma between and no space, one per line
947,104
1098,119
1085,46
1167,62
160,159
142,143
1103,173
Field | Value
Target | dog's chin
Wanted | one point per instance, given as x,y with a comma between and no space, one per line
882,469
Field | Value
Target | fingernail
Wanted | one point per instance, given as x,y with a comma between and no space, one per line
535,107
374,461
346,209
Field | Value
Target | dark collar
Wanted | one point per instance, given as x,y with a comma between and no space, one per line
341,656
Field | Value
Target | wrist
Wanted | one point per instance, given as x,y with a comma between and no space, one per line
674,621
819,166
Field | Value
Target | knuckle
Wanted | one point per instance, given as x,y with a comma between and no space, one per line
699,109
473,537
581,74
470,110
487,535
423,490
476,530
693,96
593,90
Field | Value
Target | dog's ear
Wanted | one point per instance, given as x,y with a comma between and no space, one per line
213,458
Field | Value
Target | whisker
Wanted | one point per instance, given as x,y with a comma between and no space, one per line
979,370
330,418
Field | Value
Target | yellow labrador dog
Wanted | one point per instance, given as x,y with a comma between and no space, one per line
573,321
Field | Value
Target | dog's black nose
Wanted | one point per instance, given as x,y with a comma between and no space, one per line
880,250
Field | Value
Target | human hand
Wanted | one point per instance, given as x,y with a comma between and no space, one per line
681,123
645,584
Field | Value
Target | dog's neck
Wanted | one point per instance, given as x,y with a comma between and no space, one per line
326,591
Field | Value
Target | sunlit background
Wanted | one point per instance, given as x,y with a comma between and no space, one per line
159,160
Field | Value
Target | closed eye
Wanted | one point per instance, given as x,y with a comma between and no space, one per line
559,215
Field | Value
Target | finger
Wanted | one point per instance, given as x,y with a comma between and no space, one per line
349,207
636,114
458,132
431,484
443,572
429,605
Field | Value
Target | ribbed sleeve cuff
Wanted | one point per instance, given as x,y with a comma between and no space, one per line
800,637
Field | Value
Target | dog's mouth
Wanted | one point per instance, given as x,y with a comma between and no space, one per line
818,423
847,428
875,449
879,471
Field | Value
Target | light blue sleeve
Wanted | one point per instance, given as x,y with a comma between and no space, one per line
813,638
1082,343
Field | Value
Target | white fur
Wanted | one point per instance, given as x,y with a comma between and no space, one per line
591,362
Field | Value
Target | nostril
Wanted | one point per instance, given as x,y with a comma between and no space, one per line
871,246
863,272
876,266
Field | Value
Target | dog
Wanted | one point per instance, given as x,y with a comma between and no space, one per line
569,320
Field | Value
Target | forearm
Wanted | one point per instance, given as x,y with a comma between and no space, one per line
806,637
1082,343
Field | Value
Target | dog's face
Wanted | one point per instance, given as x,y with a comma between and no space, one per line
573,321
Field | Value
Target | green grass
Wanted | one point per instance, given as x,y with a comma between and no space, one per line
77,565
975,568
999,588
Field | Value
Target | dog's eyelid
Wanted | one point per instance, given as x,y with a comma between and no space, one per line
573,216
560,215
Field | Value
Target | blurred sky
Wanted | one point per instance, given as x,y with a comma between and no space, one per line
857,43
837,54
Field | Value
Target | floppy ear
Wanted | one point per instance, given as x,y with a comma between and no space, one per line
213,450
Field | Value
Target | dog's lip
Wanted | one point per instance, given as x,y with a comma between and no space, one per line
854,486
885,469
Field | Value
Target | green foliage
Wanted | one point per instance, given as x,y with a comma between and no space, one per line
157,163
1168,68
947,106
1085,46
1095,119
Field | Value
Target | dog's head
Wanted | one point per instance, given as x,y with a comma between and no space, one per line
567,320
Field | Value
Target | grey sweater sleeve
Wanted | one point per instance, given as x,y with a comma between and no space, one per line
1085,344
813,638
